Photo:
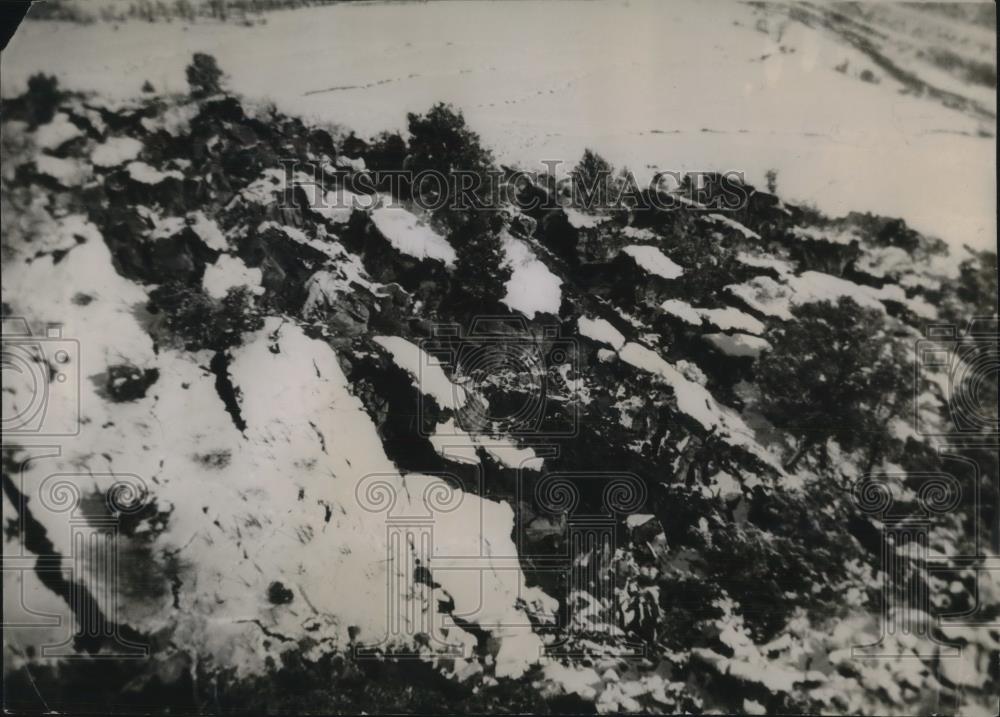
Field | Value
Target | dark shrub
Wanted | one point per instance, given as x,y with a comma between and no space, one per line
129,383
593,181
834,372
479,271
353,146
204,76
42,98
440,141
202,322
386,152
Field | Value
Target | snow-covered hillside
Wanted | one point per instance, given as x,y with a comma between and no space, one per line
373,457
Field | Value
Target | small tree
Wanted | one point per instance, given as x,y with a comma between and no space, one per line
42,98
709,261
353,146
441,141
480,273
594,183
386,152
184,10
977,283
204,76
771,176
834,372
217,9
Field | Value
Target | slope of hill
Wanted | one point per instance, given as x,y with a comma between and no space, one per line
362,456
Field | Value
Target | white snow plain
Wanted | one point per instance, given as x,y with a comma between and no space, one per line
679,86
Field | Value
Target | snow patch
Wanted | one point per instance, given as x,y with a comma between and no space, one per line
116,151
207,230
229,272
816,286
730,319
764,294
57,132
408,235
579,220
765,262
336,205
270,183
682,310
68,172
727,319
831,236
639,234
145,174
455,444
164,227
575,679
175,120
653,260
510,456
738,344
532,289
693,399
733,224
601,331
430,379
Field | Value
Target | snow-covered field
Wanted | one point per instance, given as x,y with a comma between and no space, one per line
639,82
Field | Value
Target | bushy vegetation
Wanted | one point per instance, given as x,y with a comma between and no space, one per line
440,141
204,76
202,322
387,152
834,372
84,12
38,105
594,181
481,261
977,284
440,145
